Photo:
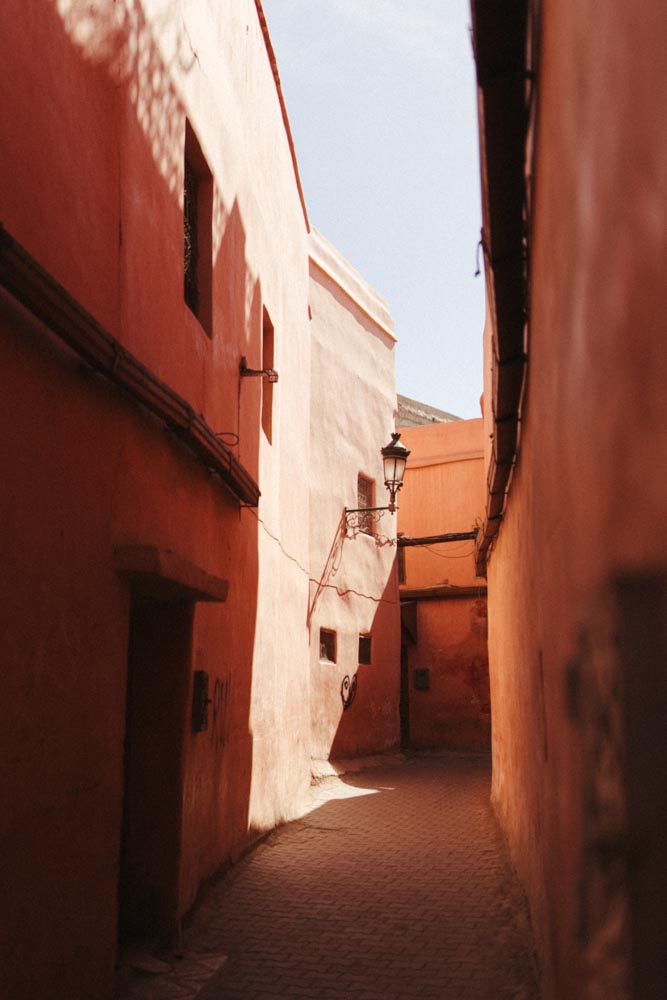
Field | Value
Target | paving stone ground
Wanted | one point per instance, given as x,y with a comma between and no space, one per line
396,886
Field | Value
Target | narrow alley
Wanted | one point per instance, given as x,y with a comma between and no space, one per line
244,542
393,885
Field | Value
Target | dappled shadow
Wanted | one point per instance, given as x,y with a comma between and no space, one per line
90,470
116,36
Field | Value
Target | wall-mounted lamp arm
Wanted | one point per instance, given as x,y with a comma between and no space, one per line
270,374
360,518
365,510
394,458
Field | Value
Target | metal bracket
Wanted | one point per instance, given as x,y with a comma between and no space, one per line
270,374
358,518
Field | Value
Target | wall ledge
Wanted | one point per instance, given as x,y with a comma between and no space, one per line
332,263
165,575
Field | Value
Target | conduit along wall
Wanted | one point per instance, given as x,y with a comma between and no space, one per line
28,282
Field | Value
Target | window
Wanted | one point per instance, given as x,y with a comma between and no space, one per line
190,237
267,387
327,645
364,649
365,497
197,230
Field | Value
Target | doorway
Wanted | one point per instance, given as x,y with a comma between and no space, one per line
159,655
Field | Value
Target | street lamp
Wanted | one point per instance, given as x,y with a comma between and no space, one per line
394,458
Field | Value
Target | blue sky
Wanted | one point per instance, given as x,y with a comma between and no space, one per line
381,100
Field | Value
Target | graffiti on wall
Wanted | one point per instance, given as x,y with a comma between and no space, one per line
348,690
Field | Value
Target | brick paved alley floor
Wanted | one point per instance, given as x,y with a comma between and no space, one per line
394,887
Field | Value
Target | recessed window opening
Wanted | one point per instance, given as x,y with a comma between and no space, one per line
267,387
364,649
197,230
365,498
327,645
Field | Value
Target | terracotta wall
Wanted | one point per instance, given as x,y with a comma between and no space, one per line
576,579
454,711
353,578
93,111
446,630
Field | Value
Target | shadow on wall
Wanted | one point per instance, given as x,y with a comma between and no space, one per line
331,567
216,763
370,722
116,36
140,60
120,480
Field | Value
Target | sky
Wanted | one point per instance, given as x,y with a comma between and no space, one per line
381,101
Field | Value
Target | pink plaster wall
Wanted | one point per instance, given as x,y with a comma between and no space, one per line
444,491
354,587
93,115
587,506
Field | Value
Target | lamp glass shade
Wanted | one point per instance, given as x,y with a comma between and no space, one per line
394,469
394,458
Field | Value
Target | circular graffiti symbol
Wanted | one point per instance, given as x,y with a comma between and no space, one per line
348,690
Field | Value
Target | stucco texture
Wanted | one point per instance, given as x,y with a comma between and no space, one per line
445,631
354,588
93,179
587,504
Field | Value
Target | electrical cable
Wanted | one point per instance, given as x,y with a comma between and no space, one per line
341,591
440,555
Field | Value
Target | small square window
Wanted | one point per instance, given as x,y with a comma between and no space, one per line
327,645
364,649
365,498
